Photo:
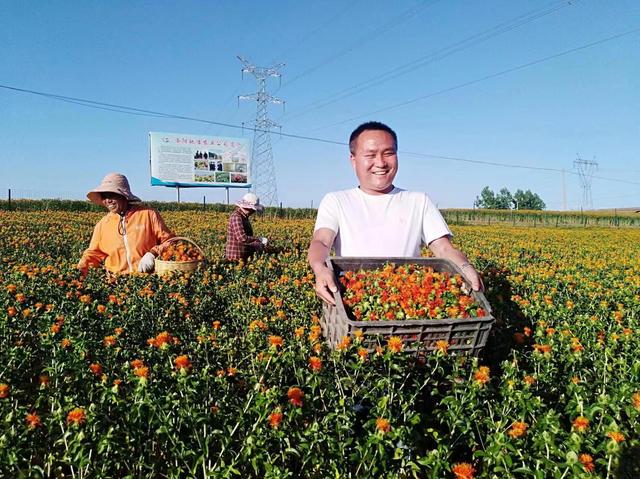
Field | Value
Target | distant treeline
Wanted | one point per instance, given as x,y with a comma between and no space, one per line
453,216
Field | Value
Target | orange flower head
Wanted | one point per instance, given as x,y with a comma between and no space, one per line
109,341
276,341
232,371
101,308
65,343
216,324
33,420
96,369
581,424
616,436
295,396
635,400
315,363
44,380
76,416
517,429
363,354
275,419
299,332
182,363
442,346
463,470
587,462
4,390
529,380
482,375
141,372
137,363
395,344
383,425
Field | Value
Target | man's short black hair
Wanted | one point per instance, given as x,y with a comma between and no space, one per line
370,125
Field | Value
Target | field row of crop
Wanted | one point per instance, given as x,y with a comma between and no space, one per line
224,372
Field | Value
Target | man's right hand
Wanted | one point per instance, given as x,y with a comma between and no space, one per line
326,285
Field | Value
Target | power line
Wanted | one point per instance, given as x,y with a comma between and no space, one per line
484,78
440,54
156,114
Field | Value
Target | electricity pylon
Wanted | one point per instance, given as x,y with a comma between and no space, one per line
585,169
263,172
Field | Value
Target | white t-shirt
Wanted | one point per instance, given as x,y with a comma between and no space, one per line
395,224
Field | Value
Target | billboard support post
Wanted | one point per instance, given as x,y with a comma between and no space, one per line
178,190
227,188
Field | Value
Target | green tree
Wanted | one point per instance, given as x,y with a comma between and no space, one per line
504,200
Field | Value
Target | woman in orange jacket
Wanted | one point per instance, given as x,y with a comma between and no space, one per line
130,236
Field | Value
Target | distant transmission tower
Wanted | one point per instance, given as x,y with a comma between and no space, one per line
263,172
585,169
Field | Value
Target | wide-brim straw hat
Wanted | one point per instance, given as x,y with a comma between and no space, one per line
113,183
251,202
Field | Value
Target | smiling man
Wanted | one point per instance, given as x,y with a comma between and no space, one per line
377,219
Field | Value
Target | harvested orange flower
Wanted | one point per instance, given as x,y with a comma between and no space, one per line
463,470
383,425
76,416
442,346
295,396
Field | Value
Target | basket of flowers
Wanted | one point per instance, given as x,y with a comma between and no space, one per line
179,254
425,302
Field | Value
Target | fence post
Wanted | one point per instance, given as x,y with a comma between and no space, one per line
9,197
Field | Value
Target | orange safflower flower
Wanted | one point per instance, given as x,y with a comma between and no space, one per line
33,420
344,343
65,343
76,416
295,396
43,379
101,308
141,372
581,424
96,369
257,324
275,419
395,344
182,362
635,400
299,332
315,333
587,462
315,363
463,470
317,348
542,348
118,331
4,390
11,311
216,324
529,380
55,328
482,375
575,379
85,298
232,371
117,382
11,288
109,341
276,341
137,363
363,354
616,436
442,346
358,334
383,425
221,373
518,429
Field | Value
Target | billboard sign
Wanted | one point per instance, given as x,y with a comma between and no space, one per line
196,160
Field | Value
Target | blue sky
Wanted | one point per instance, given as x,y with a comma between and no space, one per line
346,62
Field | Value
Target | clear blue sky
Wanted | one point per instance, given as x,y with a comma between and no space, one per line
179,57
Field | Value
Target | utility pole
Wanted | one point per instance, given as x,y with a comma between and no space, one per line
585,169
263,173
564,192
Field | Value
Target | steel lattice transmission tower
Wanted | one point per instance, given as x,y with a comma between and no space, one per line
263,171
585,169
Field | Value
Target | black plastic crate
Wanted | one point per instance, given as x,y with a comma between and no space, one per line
464,336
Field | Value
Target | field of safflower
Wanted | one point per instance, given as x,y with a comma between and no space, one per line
224,373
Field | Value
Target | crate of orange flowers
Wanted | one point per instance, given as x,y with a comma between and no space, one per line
179,254
425,302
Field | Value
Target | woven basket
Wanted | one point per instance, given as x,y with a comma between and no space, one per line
163,267
464,336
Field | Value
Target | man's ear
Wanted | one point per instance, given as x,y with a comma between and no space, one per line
353,160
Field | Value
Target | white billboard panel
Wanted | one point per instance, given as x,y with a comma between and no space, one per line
197,160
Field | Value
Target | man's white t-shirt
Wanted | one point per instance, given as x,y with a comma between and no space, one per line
395,224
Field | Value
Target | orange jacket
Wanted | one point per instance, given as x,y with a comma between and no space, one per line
121,242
